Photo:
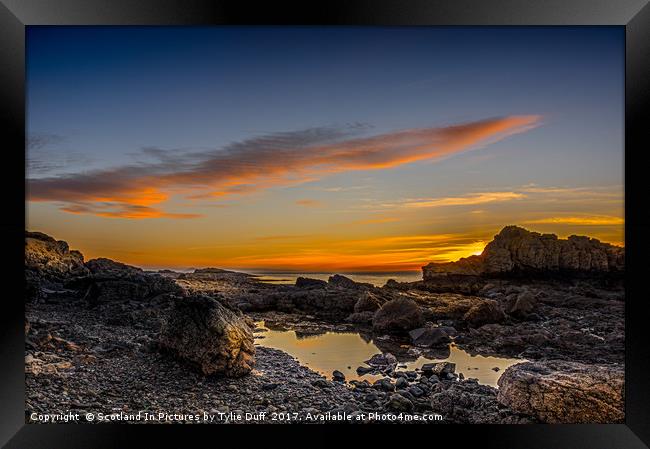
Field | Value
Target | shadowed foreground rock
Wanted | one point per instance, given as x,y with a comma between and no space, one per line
208,336
564,392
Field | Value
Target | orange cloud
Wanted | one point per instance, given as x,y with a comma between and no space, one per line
309,203
279,159
466,200
377,220
598,220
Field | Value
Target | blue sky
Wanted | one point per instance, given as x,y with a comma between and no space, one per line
106,102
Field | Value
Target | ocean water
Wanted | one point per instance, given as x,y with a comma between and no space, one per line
378,279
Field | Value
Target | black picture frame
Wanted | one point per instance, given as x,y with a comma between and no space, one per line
634,15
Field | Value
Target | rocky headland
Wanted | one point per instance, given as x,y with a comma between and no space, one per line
102,336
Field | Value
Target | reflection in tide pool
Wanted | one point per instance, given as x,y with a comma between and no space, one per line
346,351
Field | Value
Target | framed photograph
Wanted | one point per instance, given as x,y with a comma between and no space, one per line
339,214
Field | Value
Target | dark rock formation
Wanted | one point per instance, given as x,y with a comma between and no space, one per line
50,265
518,251
470,403
484,312
310,283
399,315
208,336
345,282
368,302
523,305
360,317
115,281
427,337
565,392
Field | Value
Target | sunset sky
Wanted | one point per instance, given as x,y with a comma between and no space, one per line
321,149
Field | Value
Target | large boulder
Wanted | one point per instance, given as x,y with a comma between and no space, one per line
484,312
115,281
516,250
523,305
564,392
398,316
427,337
209,337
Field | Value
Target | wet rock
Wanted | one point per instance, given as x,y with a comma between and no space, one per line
399,403
438,369
399,316
564,392
401,382
361,370
361,385
338,376
302,282
429,336
384,384
484,312
381,360
206,335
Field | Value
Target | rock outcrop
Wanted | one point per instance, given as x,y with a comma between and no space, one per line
115,281
50,264
209,337
398,315
564,392
518,251
338,280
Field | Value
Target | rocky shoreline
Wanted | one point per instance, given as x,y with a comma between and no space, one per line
104,337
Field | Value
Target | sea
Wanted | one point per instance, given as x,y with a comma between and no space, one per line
376,278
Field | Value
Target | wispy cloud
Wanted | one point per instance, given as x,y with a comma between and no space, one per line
598,220
465,200
46,156
278,159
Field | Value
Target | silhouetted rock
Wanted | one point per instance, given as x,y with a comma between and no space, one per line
516,250
208,336
564,392
310,283
345,282
399,315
